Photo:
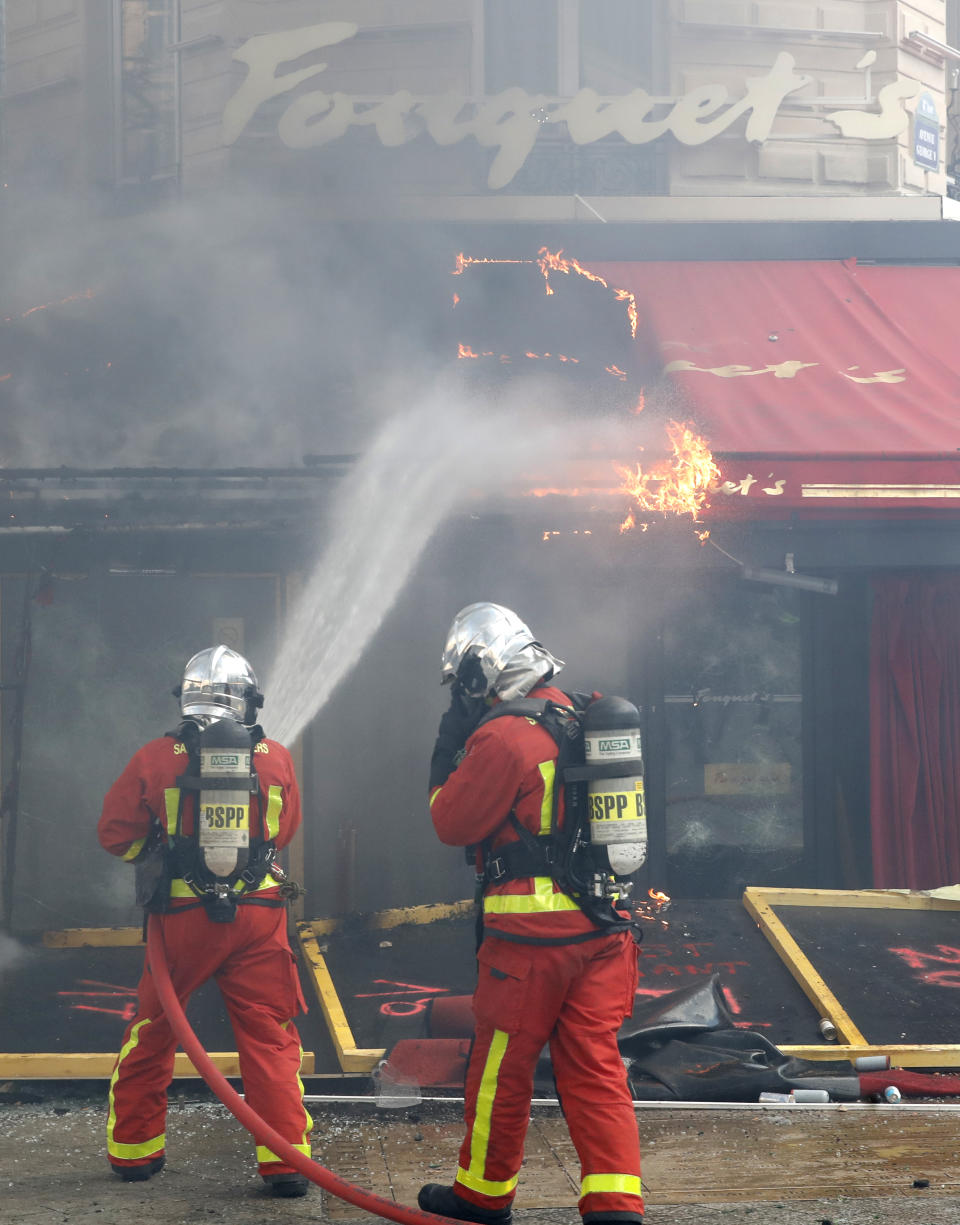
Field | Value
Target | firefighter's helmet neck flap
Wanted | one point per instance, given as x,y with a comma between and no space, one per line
218,683
490,652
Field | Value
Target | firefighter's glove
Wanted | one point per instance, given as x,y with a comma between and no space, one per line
456,725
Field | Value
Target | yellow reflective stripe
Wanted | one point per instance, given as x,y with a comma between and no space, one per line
264,1155
129,1152
180,888
171,806
542,900
625,1184
480,1133
271,819
135,849
548,771
435,794
482,1185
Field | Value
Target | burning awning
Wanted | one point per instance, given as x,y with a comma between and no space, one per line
817,384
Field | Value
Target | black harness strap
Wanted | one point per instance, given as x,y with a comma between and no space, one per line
183,857
551,854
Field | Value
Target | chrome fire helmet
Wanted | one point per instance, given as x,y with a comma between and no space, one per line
489,650
218,683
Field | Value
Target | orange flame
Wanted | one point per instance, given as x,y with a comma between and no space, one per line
678,486
650,910
550,261
617,373
624,295
641,402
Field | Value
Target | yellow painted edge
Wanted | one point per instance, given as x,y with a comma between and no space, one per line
96,1065
349,1056
361,1059
901,1056
864,899
796,961
381,920
93,937
421,914
124,937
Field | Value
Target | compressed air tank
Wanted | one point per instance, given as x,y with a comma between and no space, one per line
614,773
223,809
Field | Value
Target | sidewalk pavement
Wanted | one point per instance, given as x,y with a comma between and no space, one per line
796,1165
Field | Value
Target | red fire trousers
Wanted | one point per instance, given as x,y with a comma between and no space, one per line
251,961
574,997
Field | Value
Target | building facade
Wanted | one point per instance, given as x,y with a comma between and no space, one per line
492,110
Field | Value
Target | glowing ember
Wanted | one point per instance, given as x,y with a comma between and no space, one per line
651,909
74,297
678,486
556,491
576,531
464,262
466,351
617,373
641,402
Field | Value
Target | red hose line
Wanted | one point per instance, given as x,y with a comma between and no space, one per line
261,1131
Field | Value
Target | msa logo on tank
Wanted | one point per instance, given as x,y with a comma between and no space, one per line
615,797
223,826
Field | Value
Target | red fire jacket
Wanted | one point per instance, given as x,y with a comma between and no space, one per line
146,793
509,766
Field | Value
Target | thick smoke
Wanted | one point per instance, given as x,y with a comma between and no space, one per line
221,331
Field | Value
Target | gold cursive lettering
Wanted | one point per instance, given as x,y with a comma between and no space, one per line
511,121
263,55
782,370
879,376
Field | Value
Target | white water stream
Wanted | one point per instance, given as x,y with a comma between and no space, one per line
418,469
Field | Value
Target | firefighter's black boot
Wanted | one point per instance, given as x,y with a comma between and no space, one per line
287,1186
444,1201
139,1173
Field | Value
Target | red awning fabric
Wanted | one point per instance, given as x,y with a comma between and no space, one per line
807,357
853,366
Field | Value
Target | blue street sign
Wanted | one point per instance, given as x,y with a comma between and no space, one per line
926,133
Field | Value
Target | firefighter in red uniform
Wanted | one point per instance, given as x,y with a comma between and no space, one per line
547,973
229,923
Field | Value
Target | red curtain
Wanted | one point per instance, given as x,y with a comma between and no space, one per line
915,731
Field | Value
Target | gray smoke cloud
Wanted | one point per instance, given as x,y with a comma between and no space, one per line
222,331
12,953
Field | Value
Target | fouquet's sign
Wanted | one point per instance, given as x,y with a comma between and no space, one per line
511,121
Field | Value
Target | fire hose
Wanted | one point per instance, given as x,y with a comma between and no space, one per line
261,1131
